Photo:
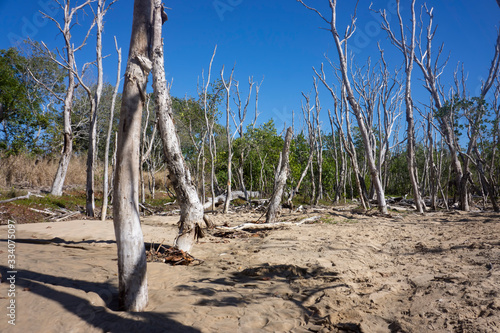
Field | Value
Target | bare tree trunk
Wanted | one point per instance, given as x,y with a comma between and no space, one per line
132,286
69,63
94,104
319,144
341,45
261,175
191,207
108,136
113,167
408,51
210,132
227,87
62,169
274,203
433,179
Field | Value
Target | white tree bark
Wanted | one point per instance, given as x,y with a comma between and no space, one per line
68,64
105,189
408,50
191,209
281,177
132,284
227,87
341,45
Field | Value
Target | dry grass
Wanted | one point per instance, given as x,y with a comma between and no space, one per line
24,171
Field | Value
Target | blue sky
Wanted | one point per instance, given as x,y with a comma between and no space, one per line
279,40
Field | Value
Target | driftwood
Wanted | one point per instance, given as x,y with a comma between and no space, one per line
269,226
27,196
57,215
234,195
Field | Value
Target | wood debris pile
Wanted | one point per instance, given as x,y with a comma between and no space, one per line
170,255
56,215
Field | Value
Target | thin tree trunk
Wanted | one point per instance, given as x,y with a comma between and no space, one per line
190,205
108,136
92,150
274,203
132,286
318,145
227,86
433,181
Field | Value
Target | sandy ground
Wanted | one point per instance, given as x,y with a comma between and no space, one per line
434,273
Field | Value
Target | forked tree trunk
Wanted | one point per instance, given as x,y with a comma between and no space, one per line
408,51
363,126
132,286
62,169
274,202
190,205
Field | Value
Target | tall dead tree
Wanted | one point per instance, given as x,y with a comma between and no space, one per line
67,62
95,100
341,45
340,104
431,71
407,48
227,87
280,180
108,136
132,283
242,114
191,208
306,112
210,123
319,143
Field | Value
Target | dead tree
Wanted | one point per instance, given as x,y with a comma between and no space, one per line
67,62
242,113
280,180
227,87
319,143
132,286
306,112
431,72
108,136
407,48
341,45
146,145
210,123
95,99
191,208
345,137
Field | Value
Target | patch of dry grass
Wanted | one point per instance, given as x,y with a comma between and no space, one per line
24,171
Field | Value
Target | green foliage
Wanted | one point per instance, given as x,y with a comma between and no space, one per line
27,111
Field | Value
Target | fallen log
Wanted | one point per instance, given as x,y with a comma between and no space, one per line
27,196
234,195
268,226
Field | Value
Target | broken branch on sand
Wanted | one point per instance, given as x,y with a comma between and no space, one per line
268,226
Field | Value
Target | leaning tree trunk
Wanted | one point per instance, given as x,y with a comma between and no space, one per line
191,207
274,203
132,286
